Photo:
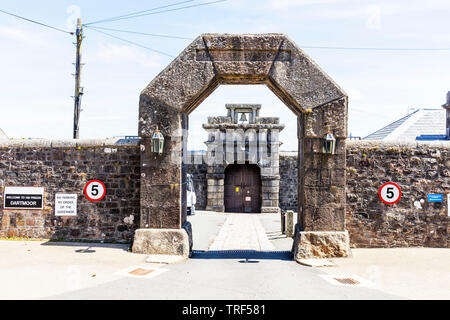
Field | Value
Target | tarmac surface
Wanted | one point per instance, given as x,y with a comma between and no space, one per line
221,268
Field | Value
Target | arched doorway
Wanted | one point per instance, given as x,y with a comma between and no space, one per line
242,188
319,104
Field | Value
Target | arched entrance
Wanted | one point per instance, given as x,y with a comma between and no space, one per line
242,192
319,104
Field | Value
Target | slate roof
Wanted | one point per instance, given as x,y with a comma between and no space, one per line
3,135
421,122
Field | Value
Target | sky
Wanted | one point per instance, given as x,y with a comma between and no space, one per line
36,63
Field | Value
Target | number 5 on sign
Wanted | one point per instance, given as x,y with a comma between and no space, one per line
390,193
95,190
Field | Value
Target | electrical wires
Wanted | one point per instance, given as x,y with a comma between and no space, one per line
142,13
376,48
36,22
131,42
139,33
153,11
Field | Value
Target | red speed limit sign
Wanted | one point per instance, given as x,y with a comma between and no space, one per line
390,193
95,190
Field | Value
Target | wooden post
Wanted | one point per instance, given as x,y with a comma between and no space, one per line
78,90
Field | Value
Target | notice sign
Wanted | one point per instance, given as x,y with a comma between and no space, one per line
435,198
66,205
448,204
23,198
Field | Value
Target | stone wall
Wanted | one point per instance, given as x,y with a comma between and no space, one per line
199,172
289,181
65,167
419,168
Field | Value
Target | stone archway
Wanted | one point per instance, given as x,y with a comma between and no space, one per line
319,104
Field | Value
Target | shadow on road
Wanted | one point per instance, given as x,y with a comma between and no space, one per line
88,246
242,254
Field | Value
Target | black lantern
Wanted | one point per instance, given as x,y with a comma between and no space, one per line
329,144
157,142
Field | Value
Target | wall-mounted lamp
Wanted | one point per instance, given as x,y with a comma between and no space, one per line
329,144
157,142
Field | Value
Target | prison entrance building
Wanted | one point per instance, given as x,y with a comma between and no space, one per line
243,161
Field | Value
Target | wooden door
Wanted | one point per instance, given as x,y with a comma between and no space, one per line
242,188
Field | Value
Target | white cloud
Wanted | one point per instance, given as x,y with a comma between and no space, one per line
354,94
374,17
117,54
75,13
286,4
16,34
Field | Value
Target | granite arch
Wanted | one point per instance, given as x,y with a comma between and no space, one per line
319,104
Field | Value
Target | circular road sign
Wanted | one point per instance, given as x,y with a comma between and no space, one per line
390,193
95,190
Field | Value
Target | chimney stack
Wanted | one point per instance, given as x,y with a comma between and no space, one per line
447,107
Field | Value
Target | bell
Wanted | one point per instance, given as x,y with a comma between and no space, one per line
243,118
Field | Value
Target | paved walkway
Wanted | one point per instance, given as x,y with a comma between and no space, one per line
242,232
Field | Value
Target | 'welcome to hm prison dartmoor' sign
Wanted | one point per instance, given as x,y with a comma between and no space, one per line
23,198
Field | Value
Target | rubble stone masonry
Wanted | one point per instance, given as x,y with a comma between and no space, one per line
419,168
66,167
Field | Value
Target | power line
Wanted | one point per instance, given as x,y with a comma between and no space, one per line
36,22
157,12
141,33
376,48
131,42
138,12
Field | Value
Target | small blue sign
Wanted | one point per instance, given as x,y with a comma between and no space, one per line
435,198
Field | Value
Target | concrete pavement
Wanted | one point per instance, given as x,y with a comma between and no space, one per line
233,270
415,273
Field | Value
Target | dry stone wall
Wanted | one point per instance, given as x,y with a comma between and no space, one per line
65,167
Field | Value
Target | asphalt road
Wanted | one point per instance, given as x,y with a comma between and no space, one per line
228,275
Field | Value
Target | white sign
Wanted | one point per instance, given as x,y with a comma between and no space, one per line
390,193
448,204
65,205
24,198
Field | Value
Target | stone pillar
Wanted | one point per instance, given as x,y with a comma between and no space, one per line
321,230
270,194
164,229
270,173
215,196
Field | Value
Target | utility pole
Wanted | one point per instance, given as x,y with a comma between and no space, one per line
78,89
